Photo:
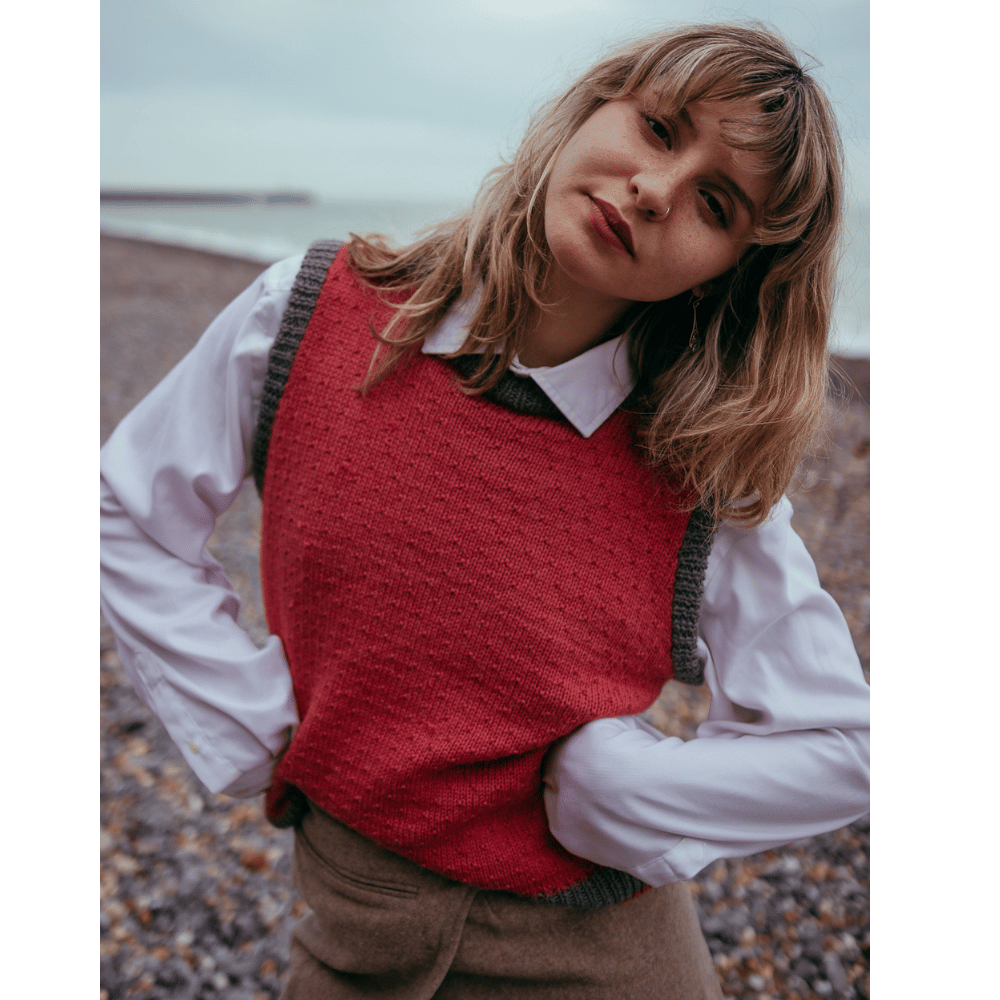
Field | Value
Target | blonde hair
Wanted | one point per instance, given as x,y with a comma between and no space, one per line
730,416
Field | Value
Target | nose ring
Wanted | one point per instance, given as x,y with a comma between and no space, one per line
660,215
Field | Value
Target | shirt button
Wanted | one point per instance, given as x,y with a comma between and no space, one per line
193,747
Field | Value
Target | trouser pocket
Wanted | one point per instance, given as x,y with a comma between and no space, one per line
373,912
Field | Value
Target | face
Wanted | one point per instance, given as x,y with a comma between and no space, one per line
641,208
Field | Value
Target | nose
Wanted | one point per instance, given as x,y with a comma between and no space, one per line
654,193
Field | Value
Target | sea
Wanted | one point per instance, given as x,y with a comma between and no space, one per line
267,233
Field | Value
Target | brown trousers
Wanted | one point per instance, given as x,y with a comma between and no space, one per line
381,926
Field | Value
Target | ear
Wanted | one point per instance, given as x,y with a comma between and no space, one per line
700,291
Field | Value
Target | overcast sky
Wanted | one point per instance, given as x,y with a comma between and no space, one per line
390,98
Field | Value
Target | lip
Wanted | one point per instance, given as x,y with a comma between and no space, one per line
610,225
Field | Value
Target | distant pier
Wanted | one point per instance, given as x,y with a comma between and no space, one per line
242,198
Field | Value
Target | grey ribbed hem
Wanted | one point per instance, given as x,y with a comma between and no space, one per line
606,887
297,807
301,303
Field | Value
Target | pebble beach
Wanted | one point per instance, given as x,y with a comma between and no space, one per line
197,901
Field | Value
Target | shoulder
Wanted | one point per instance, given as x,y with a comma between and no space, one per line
251,321
279,278
777,524
763,591
765,557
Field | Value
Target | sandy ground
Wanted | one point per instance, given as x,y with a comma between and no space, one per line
156,300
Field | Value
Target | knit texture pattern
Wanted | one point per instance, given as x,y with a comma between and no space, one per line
301,302
457,585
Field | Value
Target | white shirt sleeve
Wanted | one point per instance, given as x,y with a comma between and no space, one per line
784,751
172,466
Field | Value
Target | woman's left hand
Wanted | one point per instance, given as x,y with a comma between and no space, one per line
581,771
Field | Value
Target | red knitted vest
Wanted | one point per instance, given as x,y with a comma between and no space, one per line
456,586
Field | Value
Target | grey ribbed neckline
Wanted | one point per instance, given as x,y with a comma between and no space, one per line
519,393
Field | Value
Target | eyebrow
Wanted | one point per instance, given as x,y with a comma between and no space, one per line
739,194
686,118
727,182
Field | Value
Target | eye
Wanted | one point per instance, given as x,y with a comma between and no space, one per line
659,129
716,207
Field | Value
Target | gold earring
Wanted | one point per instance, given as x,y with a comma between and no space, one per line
693,341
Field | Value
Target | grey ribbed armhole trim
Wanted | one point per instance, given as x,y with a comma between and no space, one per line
301,303
605,887
689,587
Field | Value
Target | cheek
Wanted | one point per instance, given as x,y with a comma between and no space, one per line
560,216
679,269
704,256
553,194
564,241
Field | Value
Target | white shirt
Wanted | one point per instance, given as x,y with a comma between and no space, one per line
783,754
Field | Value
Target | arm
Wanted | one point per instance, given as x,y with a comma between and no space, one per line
172,466
783,754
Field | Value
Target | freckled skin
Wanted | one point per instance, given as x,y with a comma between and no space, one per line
619,158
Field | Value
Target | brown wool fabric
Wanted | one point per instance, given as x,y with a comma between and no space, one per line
383,927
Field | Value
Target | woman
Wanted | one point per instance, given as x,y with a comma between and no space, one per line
558,486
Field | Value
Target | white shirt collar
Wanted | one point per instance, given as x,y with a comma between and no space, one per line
587,389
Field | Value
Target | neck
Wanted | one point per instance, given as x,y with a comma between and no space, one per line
576,321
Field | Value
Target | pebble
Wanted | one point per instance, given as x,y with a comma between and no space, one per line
835,972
